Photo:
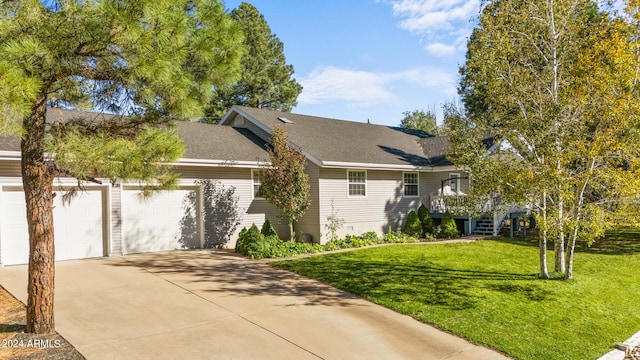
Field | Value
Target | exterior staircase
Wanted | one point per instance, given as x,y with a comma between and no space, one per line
484,226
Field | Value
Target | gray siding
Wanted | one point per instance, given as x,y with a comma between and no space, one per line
309,225
10,169
253,211
384,207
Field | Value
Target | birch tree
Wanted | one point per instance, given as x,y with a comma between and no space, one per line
556,81
154,60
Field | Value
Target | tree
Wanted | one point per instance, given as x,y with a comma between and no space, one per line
285,183
266,80
555,81
420,120
154,60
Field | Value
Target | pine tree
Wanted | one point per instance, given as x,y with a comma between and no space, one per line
155,60
267,81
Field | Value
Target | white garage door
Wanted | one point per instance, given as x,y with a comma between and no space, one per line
78,226
164,221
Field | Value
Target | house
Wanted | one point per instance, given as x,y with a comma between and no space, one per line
370,176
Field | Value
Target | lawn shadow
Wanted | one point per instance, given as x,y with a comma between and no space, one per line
229,274
423,283
624,241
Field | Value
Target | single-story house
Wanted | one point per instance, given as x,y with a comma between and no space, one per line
368,175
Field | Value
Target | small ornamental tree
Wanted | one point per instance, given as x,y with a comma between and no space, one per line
267,229
448,227
413,227
285,183
425,220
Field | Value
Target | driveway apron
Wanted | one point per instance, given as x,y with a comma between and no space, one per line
216,305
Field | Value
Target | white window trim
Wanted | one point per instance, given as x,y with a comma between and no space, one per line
417,184
253,185
458,192
366,187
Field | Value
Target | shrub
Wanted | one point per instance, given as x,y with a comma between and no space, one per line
267,229
412,227
250,242
426,221
448,227
371,237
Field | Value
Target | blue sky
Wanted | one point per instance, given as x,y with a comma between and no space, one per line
371,59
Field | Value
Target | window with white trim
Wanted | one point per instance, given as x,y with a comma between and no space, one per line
256,176
357,182
410,184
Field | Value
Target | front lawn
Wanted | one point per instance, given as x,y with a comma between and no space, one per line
488,292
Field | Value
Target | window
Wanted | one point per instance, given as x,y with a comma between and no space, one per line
357,183
454,183
258,193
410,182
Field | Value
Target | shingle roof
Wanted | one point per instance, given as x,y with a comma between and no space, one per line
332,140
202,141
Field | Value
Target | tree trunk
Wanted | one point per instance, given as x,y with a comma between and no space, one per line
37,179
571,246
292,234
544,272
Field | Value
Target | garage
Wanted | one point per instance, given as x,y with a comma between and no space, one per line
79,226
165,220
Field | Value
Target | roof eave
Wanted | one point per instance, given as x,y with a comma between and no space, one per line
394,167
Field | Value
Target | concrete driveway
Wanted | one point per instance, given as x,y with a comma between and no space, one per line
215,305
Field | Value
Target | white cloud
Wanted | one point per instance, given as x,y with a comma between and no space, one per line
440,49
445,24
363,88
331,83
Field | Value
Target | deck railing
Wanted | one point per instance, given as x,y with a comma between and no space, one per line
457,204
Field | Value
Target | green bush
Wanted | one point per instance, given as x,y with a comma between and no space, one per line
267,229
371,237
397,237
426,221
253,244
250,242
412,227
448,227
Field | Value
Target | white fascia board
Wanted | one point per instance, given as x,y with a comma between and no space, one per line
220,163
369,166
10,155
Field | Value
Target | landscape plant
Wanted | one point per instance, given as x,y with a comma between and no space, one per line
285,182
426,221
412,226
448,227
267,229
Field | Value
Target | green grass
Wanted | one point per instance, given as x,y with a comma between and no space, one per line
488,291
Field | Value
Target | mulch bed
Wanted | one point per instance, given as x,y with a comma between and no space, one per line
15,344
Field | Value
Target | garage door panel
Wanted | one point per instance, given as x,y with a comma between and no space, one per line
156,223
78,227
